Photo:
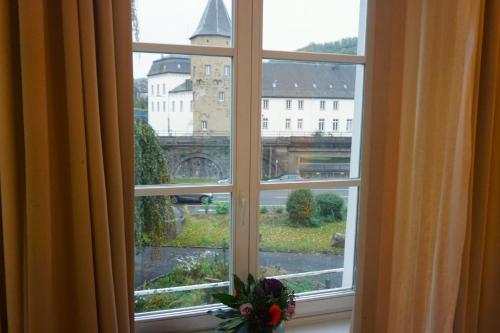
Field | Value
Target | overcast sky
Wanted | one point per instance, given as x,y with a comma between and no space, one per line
288,24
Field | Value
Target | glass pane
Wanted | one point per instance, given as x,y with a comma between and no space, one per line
310,120
183,118
182,244
307,237
323,26
192,22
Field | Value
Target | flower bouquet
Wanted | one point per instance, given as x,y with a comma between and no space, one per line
258,307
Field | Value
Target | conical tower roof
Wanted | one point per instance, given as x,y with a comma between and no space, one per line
215,21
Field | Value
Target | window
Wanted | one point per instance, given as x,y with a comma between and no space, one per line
322,105
181,106
152,90
221,96
335,125
164,106
212,208
265,104
321,125
348,125
164,89
152,106
158,89
335,105
158,106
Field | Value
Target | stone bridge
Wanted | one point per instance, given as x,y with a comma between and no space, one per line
209,156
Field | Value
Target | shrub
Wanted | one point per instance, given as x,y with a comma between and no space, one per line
279,210
301,208
263,210
221,208
330,207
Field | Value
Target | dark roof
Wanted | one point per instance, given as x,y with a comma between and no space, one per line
215,21
291,79
183,87
171,64
308,80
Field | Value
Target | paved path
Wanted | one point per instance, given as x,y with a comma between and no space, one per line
147,268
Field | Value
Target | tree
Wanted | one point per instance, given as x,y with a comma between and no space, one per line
347,45
151,212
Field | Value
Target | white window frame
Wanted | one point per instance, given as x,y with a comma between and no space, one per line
288,123
348,125
301,104
164,106
204,125
321,124
173,106
288,104
265,123
335,105
247,55
221,96
335,125
181,106
300,123
322,105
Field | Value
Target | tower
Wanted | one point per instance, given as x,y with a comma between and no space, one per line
211,76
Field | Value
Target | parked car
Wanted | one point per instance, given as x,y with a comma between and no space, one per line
286,178
192,198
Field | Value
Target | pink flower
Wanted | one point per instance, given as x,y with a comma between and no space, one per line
246,309
290,311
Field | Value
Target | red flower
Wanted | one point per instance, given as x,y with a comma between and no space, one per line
275,313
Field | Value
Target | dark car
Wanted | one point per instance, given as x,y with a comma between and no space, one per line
192,198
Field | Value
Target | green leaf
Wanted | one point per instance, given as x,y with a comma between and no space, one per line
251,283
224,314
231,323
243,328
239,286
226,299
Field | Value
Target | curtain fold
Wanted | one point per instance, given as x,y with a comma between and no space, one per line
66,172
425,167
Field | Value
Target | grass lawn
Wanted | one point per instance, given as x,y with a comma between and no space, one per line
276,234
192,181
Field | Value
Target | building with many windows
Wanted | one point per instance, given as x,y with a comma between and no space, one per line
192,95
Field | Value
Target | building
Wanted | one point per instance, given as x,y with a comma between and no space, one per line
192,95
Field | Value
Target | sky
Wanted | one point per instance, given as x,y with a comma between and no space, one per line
288,24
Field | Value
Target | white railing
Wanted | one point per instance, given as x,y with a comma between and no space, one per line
226,283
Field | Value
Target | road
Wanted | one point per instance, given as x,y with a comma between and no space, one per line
279,197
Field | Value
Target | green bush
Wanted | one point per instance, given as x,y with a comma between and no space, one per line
279,210
301,208
263,210
330,207
221,208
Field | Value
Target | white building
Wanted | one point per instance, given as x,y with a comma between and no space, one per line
298,98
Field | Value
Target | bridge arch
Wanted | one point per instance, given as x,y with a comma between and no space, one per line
199,165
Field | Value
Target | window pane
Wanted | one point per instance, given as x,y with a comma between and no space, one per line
320,142
307,237
192,22
186,145
182,242
323,26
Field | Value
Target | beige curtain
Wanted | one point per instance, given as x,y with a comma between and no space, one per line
422,164
66,166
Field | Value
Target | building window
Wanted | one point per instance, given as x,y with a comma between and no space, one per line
222,96
335,105
152,90
164,90
152,106
181,106
335,125
288,104
322,105
299,124
227,70
158,106
164,106
348,125
173,106
301,104
321,125
191,106
158,89
265,104
208,69
287,123
204,125
265,123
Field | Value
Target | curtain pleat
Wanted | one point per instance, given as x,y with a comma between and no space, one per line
66,173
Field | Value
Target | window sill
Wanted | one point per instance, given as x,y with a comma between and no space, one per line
315,314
